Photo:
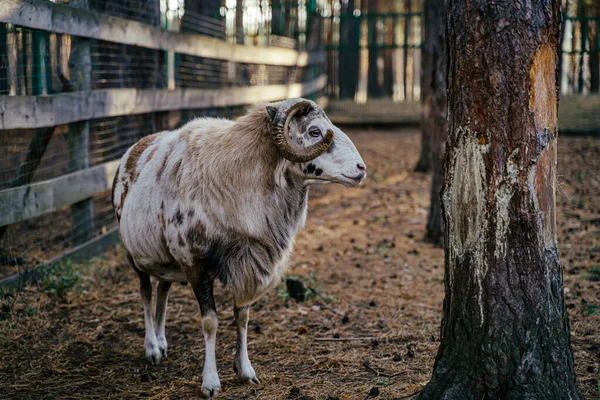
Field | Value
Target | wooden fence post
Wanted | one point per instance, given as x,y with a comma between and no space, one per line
12,67
82,213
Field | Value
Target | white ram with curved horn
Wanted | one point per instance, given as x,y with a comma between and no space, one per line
220,199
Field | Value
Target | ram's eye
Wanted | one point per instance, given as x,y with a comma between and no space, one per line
314,132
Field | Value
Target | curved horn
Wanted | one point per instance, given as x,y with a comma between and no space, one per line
295,153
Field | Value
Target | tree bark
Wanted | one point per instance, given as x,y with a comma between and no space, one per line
239,21
373,88
388,59
388,73
424,163
505,331
595,56
434,108
349,54
581,11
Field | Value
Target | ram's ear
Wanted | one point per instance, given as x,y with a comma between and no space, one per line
272,111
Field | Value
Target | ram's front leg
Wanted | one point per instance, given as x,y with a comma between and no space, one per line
241,363
202,285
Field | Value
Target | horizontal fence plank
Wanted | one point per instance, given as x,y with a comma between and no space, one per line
23,112
579,114
52,17
29,201
374,112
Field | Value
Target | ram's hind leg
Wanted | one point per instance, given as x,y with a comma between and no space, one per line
241,363
202,285
153,353
162,296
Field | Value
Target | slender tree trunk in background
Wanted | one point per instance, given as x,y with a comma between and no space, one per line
408,7
388,70
239,21
581,11
505,331
434,108
373,81
4,68
595,55
388,54
424,163
349,55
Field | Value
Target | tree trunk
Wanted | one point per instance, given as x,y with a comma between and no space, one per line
434,108
373,89
581,11
424,163
505,331
388,54
595,56
349,52
239,21
388,72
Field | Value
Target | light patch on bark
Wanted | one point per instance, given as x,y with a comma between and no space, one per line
542,93
503,196
541,183
465,205
541,175
541,180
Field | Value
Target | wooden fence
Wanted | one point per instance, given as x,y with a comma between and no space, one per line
79,83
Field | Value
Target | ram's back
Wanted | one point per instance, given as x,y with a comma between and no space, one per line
148,186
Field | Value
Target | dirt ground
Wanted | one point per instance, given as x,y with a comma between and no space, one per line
371,332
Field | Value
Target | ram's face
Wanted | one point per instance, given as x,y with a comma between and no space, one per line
341,163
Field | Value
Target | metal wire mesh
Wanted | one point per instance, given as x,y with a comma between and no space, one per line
123,66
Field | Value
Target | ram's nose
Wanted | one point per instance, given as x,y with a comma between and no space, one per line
362,171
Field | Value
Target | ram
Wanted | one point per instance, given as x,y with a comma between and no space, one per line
220,199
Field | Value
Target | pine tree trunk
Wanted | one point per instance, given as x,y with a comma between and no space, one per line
505,331
434,110
388,54
424,163
349,55
373,88
388,73
595,56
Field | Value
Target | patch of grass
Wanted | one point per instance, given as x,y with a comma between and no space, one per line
593,273
589,308
58,279
282,293
382,381
303,289
592,309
